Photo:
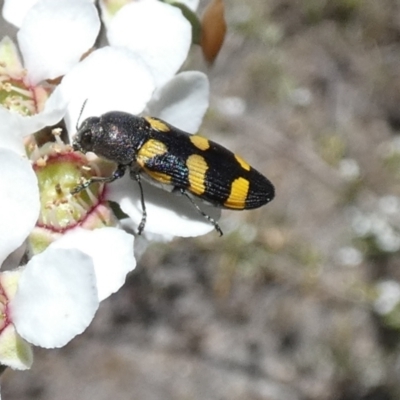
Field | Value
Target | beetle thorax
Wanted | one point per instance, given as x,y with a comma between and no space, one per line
114,144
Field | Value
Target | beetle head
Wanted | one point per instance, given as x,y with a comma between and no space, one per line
85,138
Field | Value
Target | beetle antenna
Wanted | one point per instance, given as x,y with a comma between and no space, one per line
80,114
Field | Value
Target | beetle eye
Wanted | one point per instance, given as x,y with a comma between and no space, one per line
86,140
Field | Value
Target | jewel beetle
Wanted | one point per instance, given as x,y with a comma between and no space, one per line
180,162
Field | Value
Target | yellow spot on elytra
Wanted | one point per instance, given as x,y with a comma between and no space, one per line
150,149
238,195
157,124
200,142
242,163
197,167
158,176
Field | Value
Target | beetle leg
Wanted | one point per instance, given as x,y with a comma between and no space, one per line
118,173
206,216
136,176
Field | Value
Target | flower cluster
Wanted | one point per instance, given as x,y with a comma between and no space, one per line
73,250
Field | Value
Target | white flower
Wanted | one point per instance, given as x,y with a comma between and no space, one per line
25,108
55,34
19,210
182,101
47,28
52,38
157,31
136,75
55,295
109,79
14,12
111,251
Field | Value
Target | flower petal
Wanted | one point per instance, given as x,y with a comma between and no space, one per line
55,34
109,79
10,137
15,352
183,101
15,11
56,298
168,214
53,112
111,250
19,202
157,31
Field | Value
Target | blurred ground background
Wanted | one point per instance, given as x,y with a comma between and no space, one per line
298,300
